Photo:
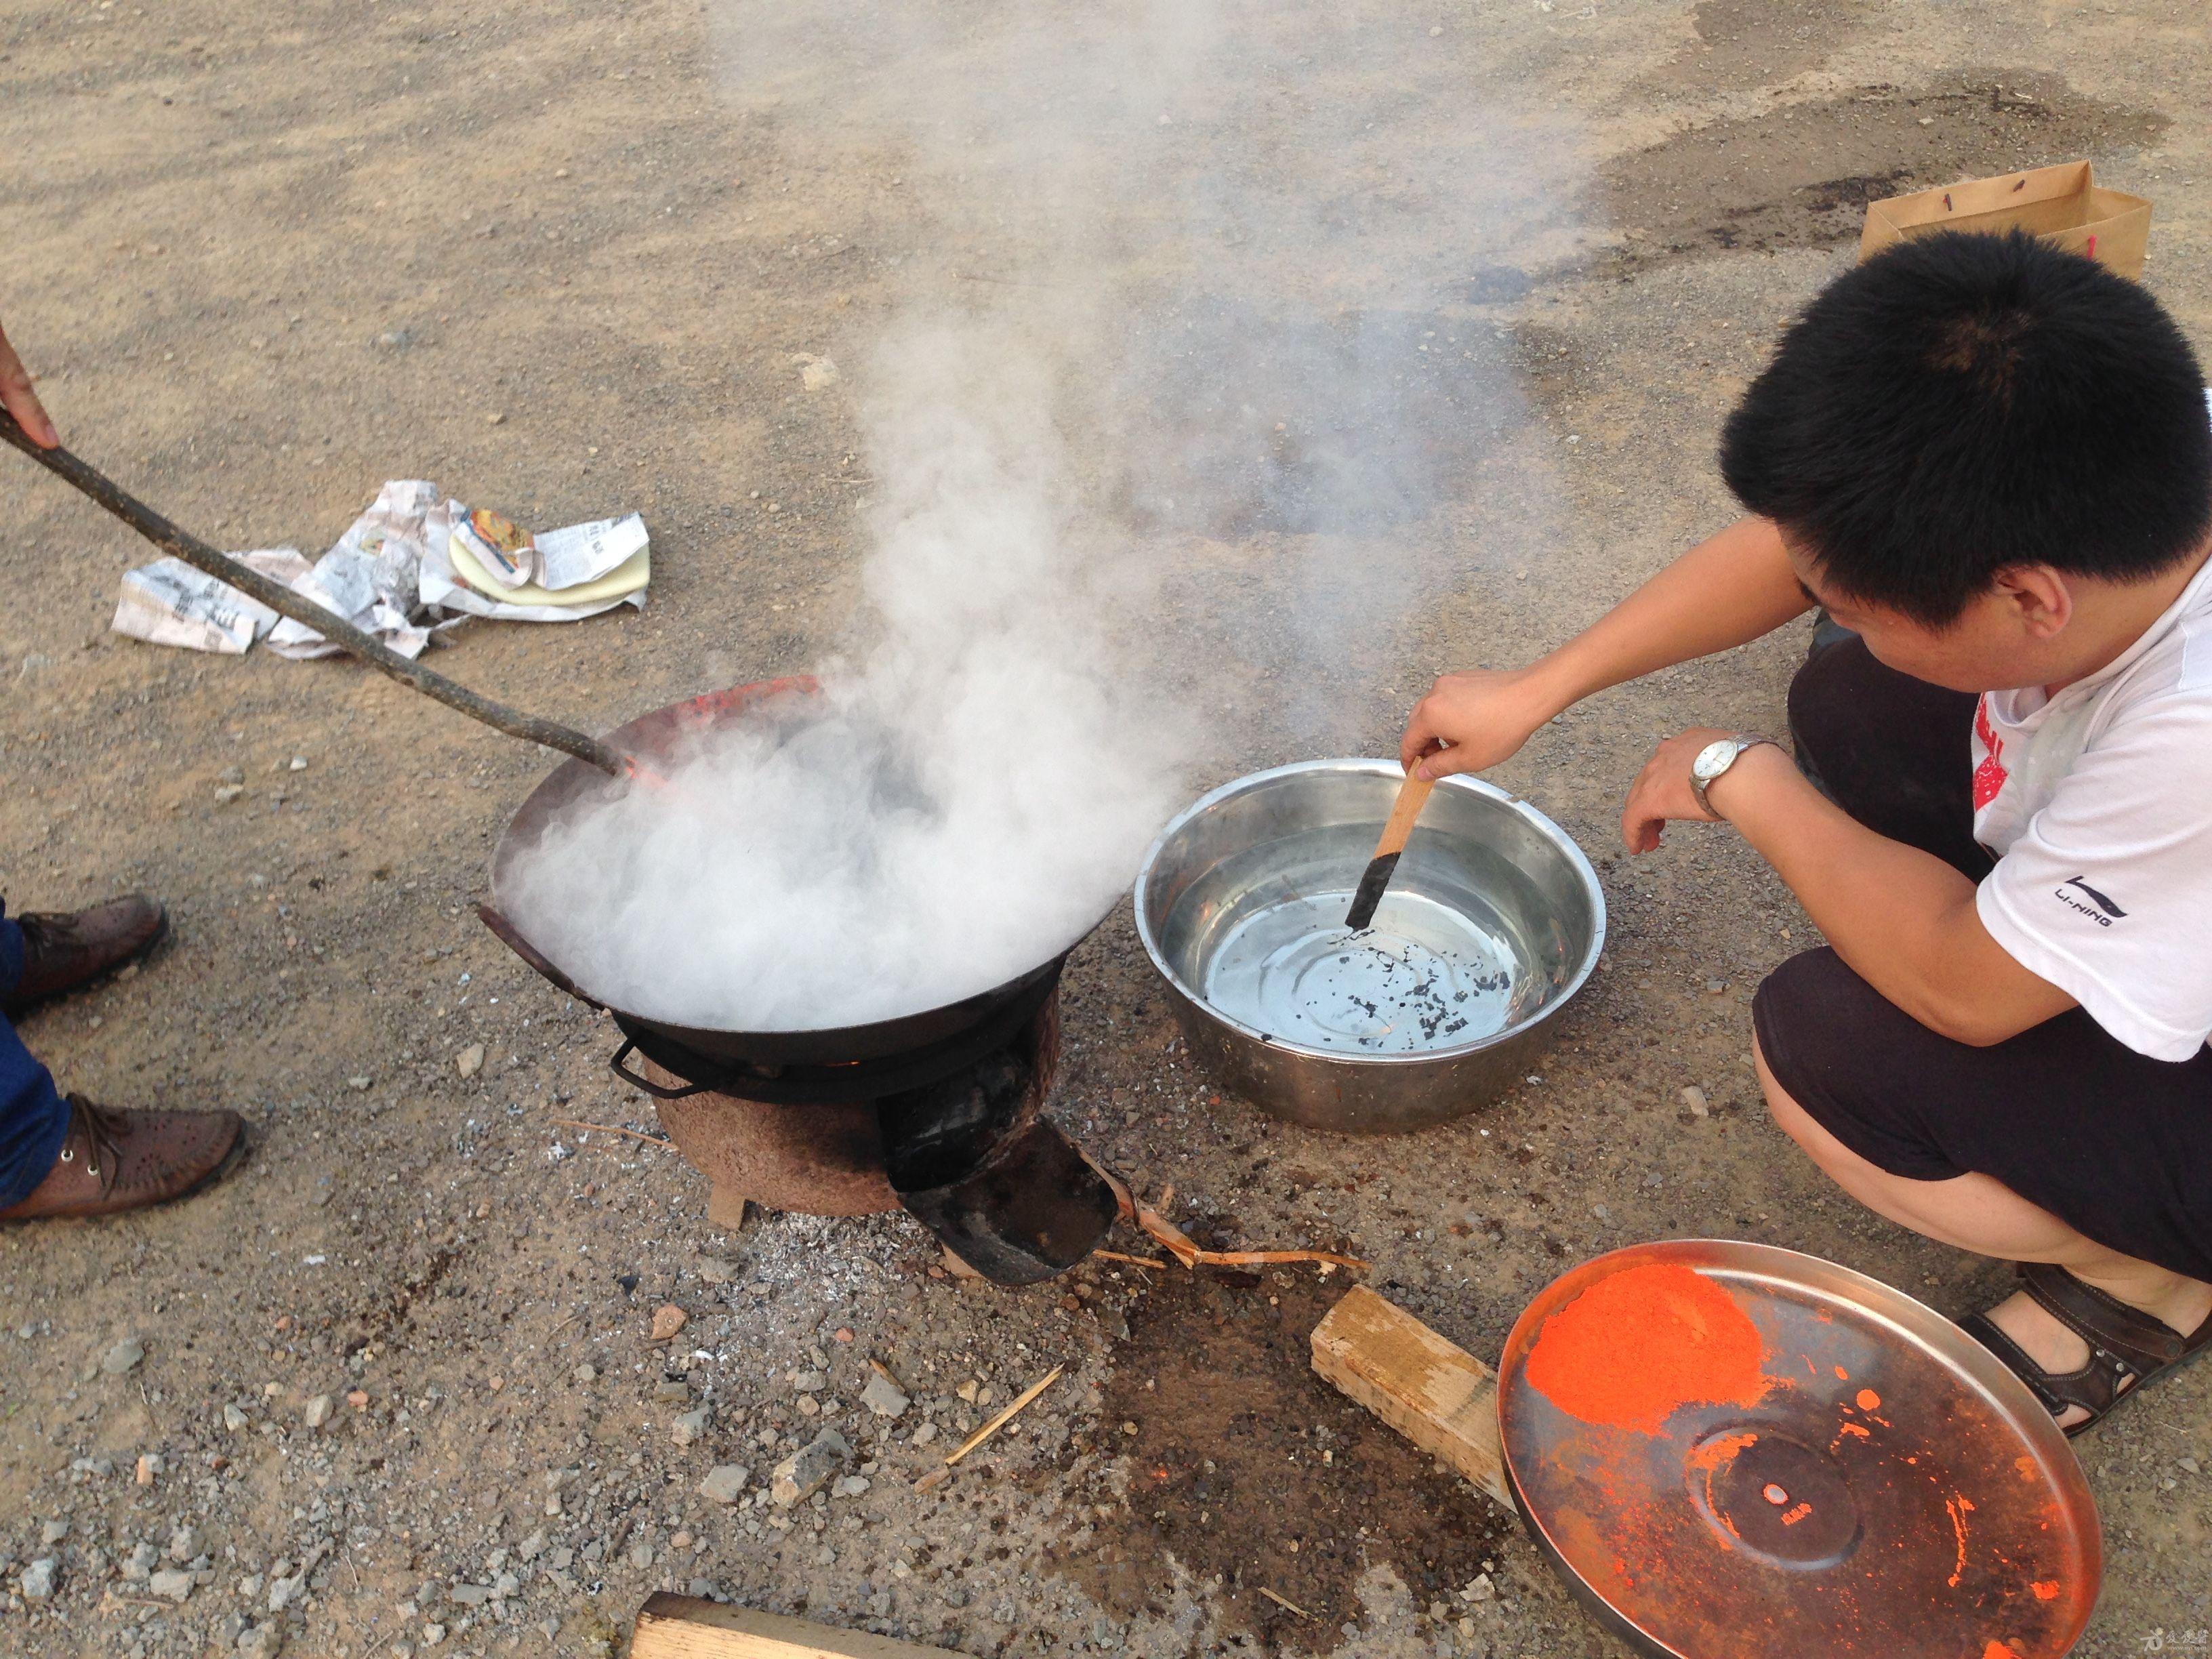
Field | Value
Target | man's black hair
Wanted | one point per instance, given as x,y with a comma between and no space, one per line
1963,402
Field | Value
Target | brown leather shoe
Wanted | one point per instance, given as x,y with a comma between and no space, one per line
115,1160
61,953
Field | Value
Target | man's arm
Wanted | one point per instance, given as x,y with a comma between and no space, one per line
19,400
1729,589
1903,919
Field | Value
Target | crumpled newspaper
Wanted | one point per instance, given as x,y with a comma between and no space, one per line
170,603
371,577
394,574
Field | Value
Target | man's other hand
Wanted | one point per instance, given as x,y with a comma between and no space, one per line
19,400
1473,720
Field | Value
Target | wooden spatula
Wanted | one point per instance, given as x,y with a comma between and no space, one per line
1413,795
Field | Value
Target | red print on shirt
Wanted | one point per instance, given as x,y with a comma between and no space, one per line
1989,777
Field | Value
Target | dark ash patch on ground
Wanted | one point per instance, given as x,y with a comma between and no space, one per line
1226,1471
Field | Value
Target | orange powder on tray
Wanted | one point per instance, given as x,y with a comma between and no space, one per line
1643,1342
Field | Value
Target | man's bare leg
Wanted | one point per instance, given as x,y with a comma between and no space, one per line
1980,1213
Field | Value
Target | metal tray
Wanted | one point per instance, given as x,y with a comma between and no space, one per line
1946,1515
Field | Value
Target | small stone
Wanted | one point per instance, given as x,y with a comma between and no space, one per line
884,1397
670,1389
299,763
850,1485
357,1081
667,1320
53,1532
228,792
807,1470
1715,988
138,1565
925,1434
692,1427
433,1634
470,1061
37,1582
715,1271
184,1543
1694,1099
171,1583
471,1596
318,1411
815,373
150,1465
358,1399
124,1357
261,1641
496,418
967,1390
282,1592
641,1556
235,1418
724,1483
532,1546
584,1374
2190,1466
1480,1590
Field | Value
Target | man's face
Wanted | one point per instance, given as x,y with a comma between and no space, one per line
1989,649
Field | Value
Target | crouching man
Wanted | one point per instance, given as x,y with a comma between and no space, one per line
1991,462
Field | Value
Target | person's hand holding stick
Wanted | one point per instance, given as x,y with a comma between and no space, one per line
19,400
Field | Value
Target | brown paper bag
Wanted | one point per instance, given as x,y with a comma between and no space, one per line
2062,204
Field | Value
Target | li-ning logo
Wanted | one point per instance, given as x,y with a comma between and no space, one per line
2106,913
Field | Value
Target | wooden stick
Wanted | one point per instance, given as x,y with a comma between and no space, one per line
1413,795
301,608
616,1129
1178,1243
1285,1602
1133,1260
1006,1416
1437,1394
687,1627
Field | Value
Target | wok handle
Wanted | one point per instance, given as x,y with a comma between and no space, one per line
301,608
658,1090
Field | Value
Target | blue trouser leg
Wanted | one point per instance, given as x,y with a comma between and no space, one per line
34,1119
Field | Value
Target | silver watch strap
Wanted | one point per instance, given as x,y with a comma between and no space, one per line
1744,742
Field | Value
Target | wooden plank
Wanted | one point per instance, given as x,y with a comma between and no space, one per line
686,1627
1439,1395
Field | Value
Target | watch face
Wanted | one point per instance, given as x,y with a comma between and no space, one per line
1713,759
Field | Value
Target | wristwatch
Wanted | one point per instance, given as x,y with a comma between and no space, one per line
1714,760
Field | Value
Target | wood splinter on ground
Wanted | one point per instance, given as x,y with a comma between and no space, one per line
687,1627
1285,1602
1177,1243
1436,1394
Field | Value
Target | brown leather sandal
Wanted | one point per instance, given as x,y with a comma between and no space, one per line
2127,1348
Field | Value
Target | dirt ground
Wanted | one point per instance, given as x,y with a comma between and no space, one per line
265,259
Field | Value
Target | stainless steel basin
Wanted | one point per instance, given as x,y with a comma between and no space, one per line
1492,922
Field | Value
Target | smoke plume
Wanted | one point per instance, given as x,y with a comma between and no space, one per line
1198,332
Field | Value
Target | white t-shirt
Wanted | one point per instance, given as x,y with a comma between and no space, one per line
2098,803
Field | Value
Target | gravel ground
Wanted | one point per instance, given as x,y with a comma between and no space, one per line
395,1389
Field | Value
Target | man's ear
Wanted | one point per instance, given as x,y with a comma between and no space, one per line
2040,597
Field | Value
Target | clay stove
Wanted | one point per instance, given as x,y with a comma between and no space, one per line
966,1151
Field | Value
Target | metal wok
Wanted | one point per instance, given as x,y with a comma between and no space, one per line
661,736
